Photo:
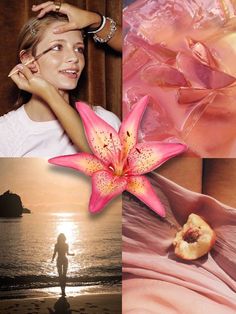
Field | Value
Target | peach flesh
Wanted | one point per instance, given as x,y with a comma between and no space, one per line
195,239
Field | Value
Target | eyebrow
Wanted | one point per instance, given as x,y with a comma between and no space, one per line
63,40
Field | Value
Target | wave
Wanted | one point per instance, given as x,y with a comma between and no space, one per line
43,281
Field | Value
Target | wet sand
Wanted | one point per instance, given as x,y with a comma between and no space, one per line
83,304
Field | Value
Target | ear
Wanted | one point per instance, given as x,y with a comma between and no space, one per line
26,56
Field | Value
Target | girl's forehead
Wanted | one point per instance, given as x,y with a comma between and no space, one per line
49,36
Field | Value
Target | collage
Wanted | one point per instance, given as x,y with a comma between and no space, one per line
118,157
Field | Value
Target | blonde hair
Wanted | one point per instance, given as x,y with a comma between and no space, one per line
32,32
29,37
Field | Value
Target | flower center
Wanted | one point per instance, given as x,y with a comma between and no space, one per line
117,165
118,171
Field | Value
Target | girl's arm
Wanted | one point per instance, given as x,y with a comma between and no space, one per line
54,253
79,19
67,252
69,119
68,116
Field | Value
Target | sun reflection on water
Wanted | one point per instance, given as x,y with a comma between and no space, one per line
66,224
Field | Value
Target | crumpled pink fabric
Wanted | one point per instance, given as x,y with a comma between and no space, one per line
182,54
154,279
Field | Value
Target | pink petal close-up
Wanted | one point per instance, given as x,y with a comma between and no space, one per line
84,162
129,128
142,189
179,52
105,186
145,157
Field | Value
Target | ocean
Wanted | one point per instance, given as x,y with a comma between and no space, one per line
27,244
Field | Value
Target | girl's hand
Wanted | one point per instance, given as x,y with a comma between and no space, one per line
29,82
78,18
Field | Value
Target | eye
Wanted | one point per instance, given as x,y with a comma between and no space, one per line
57,47
79,49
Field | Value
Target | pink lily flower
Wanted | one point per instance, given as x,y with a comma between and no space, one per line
119,162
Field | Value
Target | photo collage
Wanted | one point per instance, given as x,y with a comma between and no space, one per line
118,157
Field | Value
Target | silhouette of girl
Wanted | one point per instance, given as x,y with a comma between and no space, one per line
62,249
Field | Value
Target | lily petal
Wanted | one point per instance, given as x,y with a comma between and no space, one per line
201,75
196,113
202,53
105,186
143,190
187,95
129,128
102,138
84,162
136,57
147,156
163,75
156,50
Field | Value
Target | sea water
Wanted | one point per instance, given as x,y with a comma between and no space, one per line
27,244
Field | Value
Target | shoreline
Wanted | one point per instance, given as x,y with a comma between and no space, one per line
55,291
95,303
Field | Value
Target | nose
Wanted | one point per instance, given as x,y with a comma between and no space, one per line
72,56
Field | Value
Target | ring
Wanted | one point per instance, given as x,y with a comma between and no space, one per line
57,5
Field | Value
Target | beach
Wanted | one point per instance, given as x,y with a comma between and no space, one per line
29,280
84,304
28,276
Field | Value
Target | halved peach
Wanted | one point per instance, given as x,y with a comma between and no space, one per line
195,239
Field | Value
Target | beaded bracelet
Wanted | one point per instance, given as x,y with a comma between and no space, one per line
100,27
113,29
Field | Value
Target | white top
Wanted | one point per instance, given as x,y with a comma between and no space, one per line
22,137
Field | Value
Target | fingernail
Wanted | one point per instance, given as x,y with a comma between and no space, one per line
56,30
20,66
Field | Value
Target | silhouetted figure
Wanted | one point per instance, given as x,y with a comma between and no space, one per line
62,249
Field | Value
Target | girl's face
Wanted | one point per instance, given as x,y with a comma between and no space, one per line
63,64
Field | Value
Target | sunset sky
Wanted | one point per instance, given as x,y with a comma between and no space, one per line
44,187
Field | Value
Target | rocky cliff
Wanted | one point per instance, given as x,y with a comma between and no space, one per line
10,205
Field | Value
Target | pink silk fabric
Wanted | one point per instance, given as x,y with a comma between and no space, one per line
182,54
155,281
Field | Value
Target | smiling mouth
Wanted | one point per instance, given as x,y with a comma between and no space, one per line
73,74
